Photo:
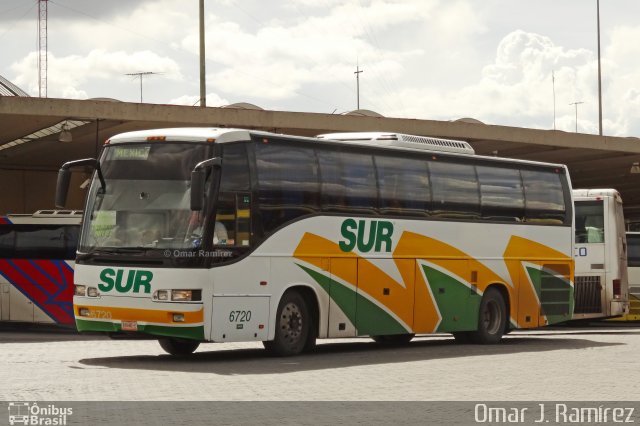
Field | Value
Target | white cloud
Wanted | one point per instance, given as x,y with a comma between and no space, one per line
517,89
66,75
272,61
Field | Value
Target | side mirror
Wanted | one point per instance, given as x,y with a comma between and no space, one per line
198,178
64,177
62,187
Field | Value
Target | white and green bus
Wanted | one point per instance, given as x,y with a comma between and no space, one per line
221,235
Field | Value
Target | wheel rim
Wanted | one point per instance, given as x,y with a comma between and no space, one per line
491,317
291,322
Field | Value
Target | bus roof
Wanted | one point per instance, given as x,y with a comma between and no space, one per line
598,192
225,135
43,217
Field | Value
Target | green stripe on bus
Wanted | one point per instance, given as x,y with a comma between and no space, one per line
369,318
195,333
458,304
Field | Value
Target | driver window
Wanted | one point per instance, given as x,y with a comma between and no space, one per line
233,214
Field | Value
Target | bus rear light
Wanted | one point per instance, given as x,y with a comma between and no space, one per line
93,292
616,288
178,317
84,312
80,290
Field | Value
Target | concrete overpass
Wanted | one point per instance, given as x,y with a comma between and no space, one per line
30,153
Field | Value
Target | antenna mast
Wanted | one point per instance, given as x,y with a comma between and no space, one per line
42,48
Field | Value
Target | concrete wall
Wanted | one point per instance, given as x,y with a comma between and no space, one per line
25,191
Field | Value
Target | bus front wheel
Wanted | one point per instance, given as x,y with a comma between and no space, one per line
492,318
175,346
293,325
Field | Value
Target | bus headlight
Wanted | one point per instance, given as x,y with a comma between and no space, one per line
186,295
177,295
80,290
161,295
93,292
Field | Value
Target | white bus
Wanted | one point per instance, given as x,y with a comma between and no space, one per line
601,285
223,235
633,270
37,253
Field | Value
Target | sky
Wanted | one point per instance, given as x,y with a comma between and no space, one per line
502,62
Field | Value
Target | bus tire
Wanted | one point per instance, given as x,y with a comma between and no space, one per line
393,339
492,318
293,325
176,346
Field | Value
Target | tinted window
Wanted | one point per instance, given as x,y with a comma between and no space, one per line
7,241
589,221
288,183
348,182
501,193
39,241
233,208
633,250
455,190
544,198
235,169
403,185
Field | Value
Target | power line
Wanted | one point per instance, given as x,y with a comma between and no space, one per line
34,4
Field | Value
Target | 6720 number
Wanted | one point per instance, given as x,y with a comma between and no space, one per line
239,316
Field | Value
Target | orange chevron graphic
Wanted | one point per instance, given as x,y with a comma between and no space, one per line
521,250
412,303
370,279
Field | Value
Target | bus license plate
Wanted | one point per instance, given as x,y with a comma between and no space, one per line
130,325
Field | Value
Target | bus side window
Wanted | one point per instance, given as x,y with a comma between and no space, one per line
233,218
7,241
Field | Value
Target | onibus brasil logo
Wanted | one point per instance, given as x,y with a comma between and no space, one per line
30,413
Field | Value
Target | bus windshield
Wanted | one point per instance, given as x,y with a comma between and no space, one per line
146,202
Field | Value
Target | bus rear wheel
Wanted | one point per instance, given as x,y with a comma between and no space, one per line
293,326
176,346
393,339
492,318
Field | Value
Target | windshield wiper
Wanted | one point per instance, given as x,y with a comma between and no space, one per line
126,250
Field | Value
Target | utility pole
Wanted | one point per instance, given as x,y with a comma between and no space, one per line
42,48
203,77
553,83
576,105
599,74
140,74
357,73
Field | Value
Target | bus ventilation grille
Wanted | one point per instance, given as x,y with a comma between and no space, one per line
555,291
587,295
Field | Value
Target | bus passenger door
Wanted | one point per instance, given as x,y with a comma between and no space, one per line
342,301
